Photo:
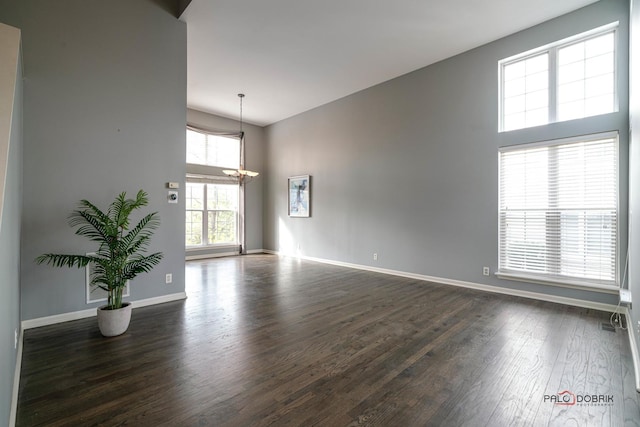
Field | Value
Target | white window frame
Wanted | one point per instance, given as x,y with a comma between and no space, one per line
552,50
209,134
559,280
210,174
205,217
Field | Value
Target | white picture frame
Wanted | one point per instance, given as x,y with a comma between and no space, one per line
299,196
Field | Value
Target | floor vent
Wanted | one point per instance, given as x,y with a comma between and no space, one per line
607,327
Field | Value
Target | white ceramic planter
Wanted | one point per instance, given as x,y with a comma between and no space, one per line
114,322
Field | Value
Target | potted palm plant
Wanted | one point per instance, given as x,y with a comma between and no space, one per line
119,258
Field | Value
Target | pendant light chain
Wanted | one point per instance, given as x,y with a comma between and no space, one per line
241,173
241,95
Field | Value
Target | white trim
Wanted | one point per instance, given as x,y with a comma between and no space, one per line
205,214
613,26
83,314
214,247
159,300
222,254
634,348
210,179
561,282
589,137
16,382
463,284
58,318
211,255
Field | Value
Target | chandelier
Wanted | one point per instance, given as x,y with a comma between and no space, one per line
241,173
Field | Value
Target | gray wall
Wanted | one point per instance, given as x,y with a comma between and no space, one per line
254,160
10,257
634,165
408,169
104,112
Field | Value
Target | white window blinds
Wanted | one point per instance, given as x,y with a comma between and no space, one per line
558,209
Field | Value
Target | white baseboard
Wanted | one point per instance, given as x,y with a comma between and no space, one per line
222,254
634,348
16,382
464,284
159,300
207,256
90,312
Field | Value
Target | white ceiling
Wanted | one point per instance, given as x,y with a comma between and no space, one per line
289,56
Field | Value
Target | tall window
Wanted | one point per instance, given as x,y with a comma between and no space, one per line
570,79
558,210
211,199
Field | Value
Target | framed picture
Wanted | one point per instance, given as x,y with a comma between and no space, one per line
300,196
94,293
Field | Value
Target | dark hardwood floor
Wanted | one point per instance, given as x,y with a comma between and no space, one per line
263,340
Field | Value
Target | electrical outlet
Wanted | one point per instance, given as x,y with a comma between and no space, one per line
485,271
15,339
168,278
375,256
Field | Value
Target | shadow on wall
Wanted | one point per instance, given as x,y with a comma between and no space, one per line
171,6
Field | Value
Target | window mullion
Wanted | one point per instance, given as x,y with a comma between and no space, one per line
553,218
205,217
216,218
553,85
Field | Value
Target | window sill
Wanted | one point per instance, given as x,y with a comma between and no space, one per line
211,247
561,282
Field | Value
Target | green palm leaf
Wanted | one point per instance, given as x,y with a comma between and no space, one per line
120,256
62,260
141,265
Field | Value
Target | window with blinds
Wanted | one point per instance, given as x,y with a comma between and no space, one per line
558,210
